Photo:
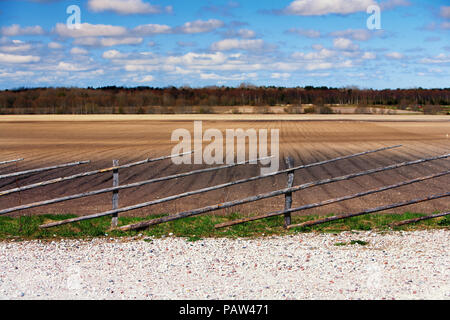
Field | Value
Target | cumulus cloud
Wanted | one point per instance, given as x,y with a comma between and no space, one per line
54,45
113,54
324,7
78,51
369,56
13,58
394,55
237,44
200,26
246,33
317,55
68,66
89,30
233,77
16,74
15,47
148,78
345,44
17,30
126,7
277,75
182,64
152,29
107,42
439,59
355,34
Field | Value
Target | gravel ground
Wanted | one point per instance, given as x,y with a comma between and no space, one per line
400,265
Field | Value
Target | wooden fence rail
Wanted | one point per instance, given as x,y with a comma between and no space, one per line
433,216
287,192
330,201
87,174
373,210
189,193
117,188
181,215
10,161
22,173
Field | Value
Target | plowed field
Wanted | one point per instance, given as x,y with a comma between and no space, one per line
44,142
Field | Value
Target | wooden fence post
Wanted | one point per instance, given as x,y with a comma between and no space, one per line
115,195
288,196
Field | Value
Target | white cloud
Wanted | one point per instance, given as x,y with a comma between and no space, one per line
369,56
54,45
107,42
440,58
445,12
355,34
277,75
318,66
16,30
323,7
344,44
318,55
16,47
78,51
67,66
188,63
12,58
246,33
140,68
395,55
148,78
113,54
125,7
234,77
237,44
151,29
318,74
16,74
200,26
90,30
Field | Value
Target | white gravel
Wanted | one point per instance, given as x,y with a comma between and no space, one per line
400,265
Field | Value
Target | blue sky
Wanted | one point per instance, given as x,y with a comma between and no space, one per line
201,43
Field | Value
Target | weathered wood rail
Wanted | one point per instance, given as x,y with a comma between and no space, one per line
27,172
181,215
287,191
87,174
204,190
433,216
330,201
10,161
373,210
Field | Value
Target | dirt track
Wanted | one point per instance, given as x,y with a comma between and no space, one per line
42,142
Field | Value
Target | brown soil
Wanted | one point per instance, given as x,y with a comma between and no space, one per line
45,142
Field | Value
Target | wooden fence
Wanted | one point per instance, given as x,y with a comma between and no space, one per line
287,192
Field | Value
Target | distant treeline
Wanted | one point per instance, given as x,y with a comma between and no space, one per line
164,100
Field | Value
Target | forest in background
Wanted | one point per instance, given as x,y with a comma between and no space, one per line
148,100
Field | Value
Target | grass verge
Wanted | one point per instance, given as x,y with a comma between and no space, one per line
196,228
